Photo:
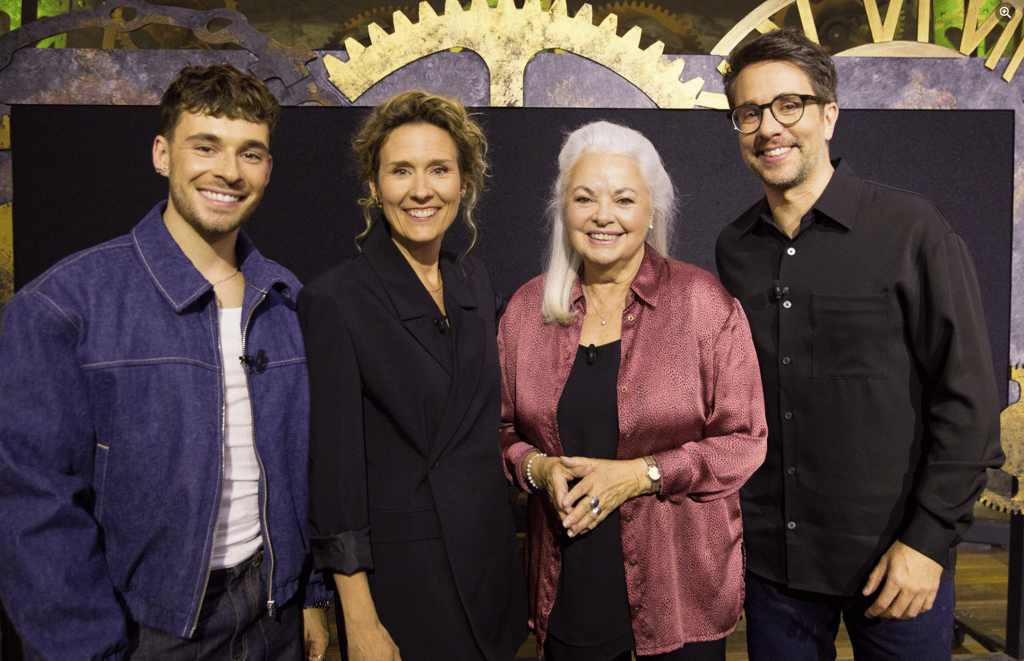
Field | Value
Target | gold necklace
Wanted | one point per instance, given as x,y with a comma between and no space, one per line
590,300
439,277
233,273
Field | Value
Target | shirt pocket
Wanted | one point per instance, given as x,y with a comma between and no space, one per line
850,336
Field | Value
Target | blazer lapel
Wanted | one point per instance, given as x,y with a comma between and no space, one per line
412,303
470,338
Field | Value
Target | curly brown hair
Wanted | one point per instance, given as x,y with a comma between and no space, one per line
417,106
219,90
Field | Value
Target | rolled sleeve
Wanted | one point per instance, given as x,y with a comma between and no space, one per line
338,507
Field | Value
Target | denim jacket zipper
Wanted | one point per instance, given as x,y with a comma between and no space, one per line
259,460
223,460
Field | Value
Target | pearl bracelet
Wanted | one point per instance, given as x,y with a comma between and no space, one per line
529,475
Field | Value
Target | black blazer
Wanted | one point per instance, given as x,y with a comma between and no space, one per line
404,429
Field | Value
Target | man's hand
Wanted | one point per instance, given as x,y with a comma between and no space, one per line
318,636
911,580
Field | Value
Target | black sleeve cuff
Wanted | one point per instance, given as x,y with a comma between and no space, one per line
344,553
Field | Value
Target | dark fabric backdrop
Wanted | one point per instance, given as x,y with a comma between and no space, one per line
83,174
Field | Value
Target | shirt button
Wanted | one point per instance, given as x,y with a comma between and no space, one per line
623,388
789,415
627,519
787,304
636,609
791,471
632,563
626,437
791,251
791,525
630,318
627,354
785,361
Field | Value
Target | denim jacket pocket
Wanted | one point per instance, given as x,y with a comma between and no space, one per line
850,336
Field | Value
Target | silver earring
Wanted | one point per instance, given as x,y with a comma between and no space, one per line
651,226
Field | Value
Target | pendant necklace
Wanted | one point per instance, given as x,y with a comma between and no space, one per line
590,299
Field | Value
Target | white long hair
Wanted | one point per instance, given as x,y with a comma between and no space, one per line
562,259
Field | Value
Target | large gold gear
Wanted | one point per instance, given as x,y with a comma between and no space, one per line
1002,492
507,38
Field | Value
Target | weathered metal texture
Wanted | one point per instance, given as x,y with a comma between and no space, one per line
6,195
6,254
6,189
507,38
134,77
97,77
1001,493
274,60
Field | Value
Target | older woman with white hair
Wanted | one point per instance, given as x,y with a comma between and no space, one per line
631,413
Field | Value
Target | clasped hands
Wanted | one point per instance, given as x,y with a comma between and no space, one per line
611,482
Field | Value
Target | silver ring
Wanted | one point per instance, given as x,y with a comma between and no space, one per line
317,657
594,503
596,510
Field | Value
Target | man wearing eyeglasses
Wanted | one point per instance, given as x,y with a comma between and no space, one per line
879,389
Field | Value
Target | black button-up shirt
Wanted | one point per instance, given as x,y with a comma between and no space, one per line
879,390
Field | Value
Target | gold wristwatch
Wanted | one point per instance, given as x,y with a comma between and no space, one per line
653,473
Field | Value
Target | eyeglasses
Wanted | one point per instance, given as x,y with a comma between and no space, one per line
787,109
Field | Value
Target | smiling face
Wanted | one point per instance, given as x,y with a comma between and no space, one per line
217,170
608,212
785,158
419,186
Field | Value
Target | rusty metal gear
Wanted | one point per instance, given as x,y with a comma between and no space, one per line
676,33
275,60
1002,492
357,27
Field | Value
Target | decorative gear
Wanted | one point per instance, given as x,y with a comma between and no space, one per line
357,27
677,30
506,38
1002,492
274,60
887,29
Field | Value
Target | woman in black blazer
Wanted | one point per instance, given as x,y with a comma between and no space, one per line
408,505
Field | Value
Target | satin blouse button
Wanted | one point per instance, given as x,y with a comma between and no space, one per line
791,251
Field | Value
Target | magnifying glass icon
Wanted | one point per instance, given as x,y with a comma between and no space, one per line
1004,11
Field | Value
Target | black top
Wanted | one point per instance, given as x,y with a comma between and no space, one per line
404,432
879,389
592,607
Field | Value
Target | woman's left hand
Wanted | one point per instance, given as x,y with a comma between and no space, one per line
611,482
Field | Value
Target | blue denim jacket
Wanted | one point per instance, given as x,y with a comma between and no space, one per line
111,441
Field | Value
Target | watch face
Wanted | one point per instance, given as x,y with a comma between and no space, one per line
654,473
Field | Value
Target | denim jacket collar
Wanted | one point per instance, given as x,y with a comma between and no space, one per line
178,280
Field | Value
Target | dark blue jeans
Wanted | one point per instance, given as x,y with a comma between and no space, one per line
234,624
802,626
